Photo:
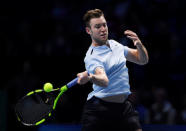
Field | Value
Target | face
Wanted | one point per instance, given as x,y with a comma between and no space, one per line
98,30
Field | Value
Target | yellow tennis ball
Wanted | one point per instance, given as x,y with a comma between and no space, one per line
48,87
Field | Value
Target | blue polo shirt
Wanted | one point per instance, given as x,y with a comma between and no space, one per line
113,61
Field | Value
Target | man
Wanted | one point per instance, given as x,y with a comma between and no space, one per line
107,106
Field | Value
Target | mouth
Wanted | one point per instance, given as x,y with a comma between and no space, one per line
103,35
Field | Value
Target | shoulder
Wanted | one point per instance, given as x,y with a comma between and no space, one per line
119,47
92,54
115,43
89,50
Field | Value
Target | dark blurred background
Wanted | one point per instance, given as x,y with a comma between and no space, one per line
45,41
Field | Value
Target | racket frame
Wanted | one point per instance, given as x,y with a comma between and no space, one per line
62,90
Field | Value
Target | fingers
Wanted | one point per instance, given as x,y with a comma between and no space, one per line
132,38
79,75
82,78
130,33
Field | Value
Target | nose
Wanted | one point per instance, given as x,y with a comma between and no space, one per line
103,28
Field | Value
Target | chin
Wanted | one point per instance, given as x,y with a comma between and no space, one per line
105,40
101,41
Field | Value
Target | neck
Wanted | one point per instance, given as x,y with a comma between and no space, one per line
100,43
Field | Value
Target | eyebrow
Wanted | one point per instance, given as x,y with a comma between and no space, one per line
100,24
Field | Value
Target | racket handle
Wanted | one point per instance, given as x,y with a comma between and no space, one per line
72,83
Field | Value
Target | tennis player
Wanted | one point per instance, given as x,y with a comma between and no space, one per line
108,106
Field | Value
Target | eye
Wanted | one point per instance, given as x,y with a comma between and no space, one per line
105,25
97,26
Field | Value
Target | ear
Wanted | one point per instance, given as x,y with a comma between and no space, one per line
88,30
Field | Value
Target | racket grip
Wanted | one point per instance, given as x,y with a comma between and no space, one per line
72,83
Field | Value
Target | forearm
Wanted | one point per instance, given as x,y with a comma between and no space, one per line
100,79
139,56
142,54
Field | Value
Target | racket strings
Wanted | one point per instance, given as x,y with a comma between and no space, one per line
35,107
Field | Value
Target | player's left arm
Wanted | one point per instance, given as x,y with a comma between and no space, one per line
138,55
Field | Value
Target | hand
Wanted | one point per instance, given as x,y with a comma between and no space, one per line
83,78
133,36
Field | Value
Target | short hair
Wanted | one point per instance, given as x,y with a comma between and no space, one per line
96,13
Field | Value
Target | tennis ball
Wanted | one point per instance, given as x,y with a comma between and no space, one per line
48,87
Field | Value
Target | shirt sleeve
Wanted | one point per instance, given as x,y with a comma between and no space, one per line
126,49
92,63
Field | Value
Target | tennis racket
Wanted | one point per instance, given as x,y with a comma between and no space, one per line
37,106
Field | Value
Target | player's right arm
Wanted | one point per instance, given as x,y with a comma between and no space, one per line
99,77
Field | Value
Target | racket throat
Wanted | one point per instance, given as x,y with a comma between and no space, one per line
63,89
